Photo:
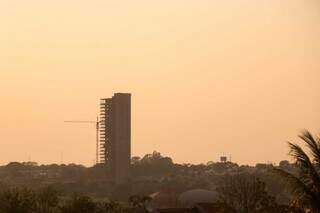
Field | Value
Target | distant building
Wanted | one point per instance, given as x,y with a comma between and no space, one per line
115,135
223,159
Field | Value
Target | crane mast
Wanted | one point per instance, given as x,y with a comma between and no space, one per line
97,122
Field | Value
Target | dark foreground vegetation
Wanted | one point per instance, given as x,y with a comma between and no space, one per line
158,183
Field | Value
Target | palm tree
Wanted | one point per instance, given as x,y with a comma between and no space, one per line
306,185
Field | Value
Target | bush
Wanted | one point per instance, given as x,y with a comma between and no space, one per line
17,201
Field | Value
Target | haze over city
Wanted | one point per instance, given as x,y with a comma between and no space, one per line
207,78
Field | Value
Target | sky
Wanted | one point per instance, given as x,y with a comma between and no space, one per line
208,78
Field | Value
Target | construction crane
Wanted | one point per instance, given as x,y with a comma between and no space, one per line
97,122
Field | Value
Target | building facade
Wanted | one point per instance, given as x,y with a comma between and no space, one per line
115,135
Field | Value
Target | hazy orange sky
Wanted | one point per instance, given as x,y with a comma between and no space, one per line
208,77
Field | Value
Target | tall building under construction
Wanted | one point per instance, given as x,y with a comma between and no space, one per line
115,135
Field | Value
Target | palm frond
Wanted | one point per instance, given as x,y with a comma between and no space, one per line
313,144
299,189
307,169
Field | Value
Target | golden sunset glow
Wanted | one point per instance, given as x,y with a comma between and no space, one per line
207,78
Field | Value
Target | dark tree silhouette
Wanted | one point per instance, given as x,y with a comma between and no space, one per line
47,200
17,201
110,207
306,186
246,193
79,204
138,201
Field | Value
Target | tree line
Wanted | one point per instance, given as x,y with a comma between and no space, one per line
288,187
